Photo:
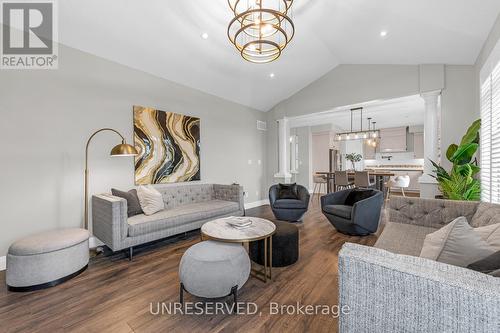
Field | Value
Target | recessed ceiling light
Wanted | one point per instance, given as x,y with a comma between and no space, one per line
204,35
383,33
271,75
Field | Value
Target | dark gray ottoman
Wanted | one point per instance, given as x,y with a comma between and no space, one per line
285,246
47,259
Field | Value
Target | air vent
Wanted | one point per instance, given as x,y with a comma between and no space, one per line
261,125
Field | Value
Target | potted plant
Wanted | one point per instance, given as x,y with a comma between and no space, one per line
353,157
460,182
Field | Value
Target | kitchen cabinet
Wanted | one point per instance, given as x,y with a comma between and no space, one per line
418,145
393,139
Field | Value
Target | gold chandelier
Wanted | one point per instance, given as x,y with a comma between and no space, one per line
260,29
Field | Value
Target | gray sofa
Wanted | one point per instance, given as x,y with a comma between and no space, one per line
187,207
388,288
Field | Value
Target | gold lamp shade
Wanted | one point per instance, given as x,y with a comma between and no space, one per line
124,149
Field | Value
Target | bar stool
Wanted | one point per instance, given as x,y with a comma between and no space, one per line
400,182
318,181
342,181
362,179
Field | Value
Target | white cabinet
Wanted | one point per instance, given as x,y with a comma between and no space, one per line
418,145
393,139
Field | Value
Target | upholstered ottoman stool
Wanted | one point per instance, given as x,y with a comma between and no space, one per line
47,259
285,246
212,269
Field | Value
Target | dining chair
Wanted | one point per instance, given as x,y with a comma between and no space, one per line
400,182
342,181
362,179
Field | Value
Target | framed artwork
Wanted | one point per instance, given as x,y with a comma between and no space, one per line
169,147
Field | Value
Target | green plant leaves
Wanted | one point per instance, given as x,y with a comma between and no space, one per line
464,153
451,151
472,135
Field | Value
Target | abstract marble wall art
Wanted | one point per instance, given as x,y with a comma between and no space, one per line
169,147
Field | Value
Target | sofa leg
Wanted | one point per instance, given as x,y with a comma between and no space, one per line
130,253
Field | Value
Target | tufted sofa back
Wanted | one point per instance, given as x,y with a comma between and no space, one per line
486,214
430,212
178,195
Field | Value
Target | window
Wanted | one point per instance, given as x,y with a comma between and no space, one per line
490,137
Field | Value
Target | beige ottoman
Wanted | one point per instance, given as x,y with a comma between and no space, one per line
47,259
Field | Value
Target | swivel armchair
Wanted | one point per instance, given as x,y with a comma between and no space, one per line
290,210
353,212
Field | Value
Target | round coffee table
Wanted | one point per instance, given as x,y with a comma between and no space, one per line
221,230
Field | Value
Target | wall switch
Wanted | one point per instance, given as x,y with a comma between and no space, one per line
259,162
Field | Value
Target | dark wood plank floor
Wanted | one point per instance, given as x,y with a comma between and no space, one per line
114,295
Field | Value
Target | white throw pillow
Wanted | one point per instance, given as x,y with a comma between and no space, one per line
150,199
490,234
456,244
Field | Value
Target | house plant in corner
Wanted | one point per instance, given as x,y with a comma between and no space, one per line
353,158
460,182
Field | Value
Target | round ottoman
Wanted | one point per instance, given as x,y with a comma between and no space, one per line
47,259
213,269
285,246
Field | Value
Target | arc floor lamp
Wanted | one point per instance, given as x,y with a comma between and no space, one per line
122,149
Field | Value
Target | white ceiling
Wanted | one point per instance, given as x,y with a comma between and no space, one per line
162,37
405,111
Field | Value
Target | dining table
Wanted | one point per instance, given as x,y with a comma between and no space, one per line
380,176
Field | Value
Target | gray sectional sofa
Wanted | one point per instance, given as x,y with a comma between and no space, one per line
187,207
388,288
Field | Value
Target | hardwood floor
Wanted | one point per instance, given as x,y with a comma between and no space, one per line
114,295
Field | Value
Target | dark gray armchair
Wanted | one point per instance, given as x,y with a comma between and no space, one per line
360,219
289,209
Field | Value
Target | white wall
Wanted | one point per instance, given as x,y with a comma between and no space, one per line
46,117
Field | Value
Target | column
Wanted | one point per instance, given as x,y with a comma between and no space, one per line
432,149
283,151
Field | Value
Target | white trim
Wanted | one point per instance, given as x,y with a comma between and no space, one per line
3,263
256,204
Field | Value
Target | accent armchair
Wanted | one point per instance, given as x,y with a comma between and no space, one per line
290,210
360,219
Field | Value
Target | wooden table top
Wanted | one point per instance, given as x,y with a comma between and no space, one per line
371,173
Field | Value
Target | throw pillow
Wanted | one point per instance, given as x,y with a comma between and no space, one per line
490,234
288,191
357,195
456,244
133,205
487,265
150,199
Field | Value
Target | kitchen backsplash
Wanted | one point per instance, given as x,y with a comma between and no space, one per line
406,158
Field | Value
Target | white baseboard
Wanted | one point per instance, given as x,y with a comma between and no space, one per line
3,263
256,204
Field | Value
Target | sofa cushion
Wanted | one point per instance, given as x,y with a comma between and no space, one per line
150,199
288,191
490,234
357,195
290,203
487,265
339,210
456,244
486,214
403,238
133,205
169,218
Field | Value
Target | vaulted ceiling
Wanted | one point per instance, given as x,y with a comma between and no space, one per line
163,37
